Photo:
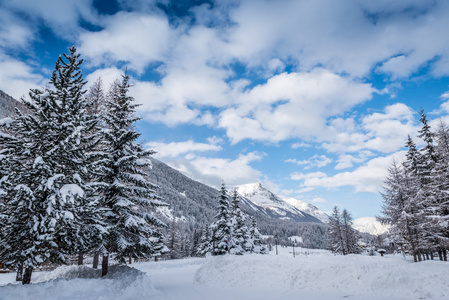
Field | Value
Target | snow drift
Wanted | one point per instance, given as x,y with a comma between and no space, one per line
73,283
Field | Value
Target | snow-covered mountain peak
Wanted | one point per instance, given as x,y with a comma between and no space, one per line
258,194
250,188
369,225
263,200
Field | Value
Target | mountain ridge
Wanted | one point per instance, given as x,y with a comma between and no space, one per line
271,205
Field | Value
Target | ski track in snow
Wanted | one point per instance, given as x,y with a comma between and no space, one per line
319,276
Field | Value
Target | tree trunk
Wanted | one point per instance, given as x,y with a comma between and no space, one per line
130,260
19,275
27,276
95,262
80,259
419,255
444,255
104,265
440,255
427,255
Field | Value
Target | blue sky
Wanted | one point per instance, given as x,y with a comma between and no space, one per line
311,98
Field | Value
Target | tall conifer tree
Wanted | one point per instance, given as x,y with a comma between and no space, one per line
49,211
221,228
133,229
336,238
239,228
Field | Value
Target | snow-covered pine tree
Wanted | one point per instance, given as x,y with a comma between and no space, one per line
255,238
187,245
133,229
437,209
350,235
96,98
49,213
174,241
221,228
429,153
239,228
96,108
195,241
335,234
205,242
394,200
413,180
416,196
426,195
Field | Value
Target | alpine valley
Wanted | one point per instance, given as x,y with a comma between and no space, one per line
192,205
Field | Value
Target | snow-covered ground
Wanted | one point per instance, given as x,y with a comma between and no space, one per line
312,274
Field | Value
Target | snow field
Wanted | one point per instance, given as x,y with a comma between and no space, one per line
319,276
355,275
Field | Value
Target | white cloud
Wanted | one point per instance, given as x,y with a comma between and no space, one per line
17,78
302,176
384,132
195,59
215,140
366,178
63,17
108,76
136,38
175,149
212,171
301,145
319,200
309,103
185,157
292,105
349,37
14,32
445,95
318,161
347,161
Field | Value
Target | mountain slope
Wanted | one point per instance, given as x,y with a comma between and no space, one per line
8,104
194,203
308,208
267,203
189,200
